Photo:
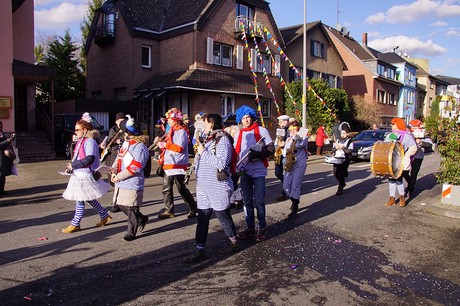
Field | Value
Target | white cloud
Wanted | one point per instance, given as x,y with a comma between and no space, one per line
439,23
413,45
452,32
59,17
407,13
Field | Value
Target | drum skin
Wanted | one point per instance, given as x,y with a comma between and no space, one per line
387,159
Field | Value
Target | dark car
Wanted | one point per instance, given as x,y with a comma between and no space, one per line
64,132
363,142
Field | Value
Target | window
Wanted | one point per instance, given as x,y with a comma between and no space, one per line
391,99
119,93
381,69
332,81
317,49
267,62
222,55
261,62
227,105
146,56
380,96
265,107
244,11
293,76
391,73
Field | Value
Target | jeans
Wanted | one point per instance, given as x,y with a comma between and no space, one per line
204,215
279,170
253,189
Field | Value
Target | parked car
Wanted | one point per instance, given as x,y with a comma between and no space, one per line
363,142
64,132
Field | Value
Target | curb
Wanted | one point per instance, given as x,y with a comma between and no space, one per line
444,210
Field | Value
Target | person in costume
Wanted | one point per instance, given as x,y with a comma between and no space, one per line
214,186
128,177
174,162
342,148
400,133
253,145
296,146
321,136
283,122
83,186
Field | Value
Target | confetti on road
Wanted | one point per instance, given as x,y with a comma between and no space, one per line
42,238
293,267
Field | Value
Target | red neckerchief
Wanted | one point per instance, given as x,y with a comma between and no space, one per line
169,139
254,127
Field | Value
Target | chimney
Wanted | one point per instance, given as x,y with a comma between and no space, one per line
364,42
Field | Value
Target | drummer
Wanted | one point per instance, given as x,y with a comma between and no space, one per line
399,133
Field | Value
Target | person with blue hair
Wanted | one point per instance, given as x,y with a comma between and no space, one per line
253,145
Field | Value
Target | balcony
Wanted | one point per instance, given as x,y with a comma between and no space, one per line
104,34
250,26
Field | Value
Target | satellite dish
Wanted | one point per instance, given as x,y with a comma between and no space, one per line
344,31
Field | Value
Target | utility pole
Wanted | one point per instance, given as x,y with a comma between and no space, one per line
304,71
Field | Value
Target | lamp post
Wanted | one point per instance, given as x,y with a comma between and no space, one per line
304,71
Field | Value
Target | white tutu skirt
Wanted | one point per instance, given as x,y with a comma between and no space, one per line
83,187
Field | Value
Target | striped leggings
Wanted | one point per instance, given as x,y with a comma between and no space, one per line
80,211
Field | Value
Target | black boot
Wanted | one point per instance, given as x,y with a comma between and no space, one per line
294,208
197,256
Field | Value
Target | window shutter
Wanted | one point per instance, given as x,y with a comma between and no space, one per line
253,60
239,57
210,43
323,51
312,47
277,65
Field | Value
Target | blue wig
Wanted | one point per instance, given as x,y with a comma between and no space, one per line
243,111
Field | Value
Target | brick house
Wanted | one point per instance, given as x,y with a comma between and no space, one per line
367,76
323,59
145,57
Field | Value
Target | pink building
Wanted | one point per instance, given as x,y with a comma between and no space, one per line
18,74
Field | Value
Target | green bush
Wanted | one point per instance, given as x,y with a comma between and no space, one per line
449,149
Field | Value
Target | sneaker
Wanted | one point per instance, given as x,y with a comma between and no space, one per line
142,223
231,248
260,235
246,234
166,215
71,229
114,208
197,256
104,221
129,237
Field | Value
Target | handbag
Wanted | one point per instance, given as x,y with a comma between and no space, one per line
96,175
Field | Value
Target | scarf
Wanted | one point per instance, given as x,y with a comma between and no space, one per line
254,127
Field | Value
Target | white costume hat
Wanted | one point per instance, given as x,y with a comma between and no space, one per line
283,117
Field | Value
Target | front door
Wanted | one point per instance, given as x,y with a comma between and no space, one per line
20,108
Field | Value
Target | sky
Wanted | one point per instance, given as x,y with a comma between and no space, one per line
428,29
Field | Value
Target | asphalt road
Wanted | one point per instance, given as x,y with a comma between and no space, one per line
341,250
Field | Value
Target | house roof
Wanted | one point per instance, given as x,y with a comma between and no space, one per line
200,79
292,33
351,44
448,79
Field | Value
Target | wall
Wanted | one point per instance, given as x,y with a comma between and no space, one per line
6,59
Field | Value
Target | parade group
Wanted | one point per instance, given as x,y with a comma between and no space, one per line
230,165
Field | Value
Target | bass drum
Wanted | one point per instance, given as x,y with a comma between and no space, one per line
387,159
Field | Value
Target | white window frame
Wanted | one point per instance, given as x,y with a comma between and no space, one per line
265,107
316,49
239,57
218,55
380,96
149,48
225,108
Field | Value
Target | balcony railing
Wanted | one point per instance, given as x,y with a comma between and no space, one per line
249,25
105,33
